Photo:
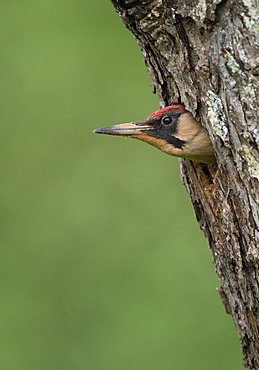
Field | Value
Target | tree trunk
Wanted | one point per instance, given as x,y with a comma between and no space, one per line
203,53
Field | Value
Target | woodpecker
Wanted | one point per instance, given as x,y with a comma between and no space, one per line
173,130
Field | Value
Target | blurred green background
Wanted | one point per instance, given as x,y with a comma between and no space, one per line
103,266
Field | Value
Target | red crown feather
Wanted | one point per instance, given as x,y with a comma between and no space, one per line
161,111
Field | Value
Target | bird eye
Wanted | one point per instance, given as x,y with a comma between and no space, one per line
167,120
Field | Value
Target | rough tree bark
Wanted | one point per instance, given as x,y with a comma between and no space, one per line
203,53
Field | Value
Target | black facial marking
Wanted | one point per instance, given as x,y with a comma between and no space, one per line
177,143
165,127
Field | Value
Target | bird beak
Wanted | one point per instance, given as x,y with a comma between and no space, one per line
125,129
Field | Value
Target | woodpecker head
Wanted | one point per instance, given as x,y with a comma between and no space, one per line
173,130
